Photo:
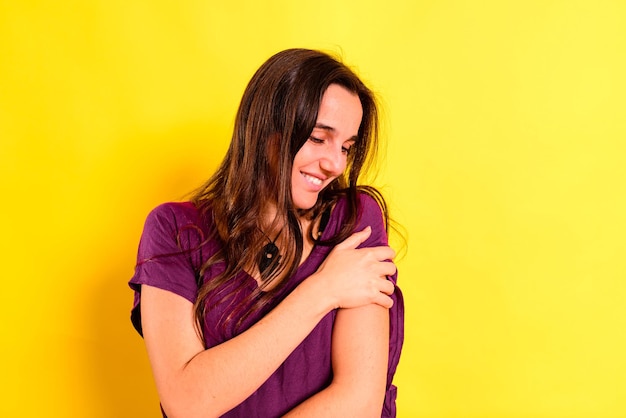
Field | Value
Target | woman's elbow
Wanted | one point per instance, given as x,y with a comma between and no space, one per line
180,406
365,403
371,408
173,410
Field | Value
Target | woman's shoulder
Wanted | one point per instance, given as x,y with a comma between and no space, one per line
370,202
371,199
175,215
174,218
175,210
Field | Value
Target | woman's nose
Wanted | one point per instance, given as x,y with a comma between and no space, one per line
333,161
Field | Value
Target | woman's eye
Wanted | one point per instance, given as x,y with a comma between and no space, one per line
345,150
316,140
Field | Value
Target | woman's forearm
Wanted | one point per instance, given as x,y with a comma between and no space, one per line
194,382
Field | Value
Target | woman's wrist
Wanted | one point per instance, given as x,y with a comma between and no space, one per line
316,296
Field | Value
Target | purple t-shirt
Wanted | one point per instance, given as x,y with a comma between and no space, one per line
171,252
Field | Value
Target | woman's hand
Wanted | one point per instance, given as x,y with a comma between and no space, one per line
354,277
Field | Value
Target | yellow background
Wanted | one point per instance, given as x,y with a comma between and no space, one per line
505,121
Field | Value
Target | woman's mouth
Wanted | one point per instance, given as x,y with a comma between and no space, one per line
313,180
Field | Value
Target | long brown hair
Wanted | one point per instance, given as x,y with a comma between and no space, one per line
276,116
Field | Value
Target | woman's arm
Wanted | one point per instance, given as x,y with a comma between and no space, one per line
360,350
192,381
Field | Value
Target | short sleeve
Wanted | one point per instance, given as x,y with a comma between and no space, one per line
371,215
166,253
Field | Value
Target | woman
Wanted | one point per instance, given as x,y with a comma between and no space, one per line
271,293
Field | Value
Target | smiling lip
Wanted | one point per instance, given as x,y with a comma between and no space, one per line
316,182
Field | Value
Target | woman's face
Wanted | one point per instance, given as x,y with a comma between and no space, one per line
323,156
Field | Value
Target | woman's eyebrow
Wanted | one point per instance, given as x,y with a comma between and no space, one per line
324,127
332,130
